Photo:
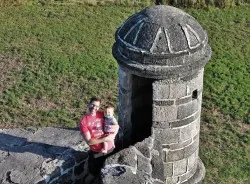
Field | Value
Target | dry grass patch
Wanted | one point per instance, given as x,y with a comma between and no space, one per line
8,66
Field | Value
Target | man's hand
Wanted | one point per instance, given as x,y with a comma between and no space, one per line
110,137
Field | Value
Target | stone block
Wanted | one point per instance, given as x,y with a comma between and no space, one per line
51,167
195,127
194,56
125,157
175,155
190,149
157,166
187,109
196,83
166,136
190,77
183,100
168,169
178,90
163,102
190,130
185,133
162,125
179,167
188,174
164,113
172,180
192,160
144,164
125,79
176,61
179,145
145,147
184,122
161,90
198,175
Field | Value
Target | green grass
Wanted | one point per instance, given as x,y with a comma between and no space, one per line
227,78
224,149
66,58
57,57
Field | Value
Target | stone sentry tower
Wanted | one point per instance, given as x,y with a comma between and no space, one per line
161,52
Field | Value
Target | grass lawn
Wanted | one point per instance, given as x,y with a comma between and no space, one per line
54,58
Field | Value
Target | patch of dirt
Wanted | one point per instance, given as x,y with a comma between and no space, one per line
245,128
44,104
7,66
40,104
208,115
9,126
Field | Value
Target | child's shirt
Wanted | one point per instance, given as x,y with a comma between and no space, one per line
107,122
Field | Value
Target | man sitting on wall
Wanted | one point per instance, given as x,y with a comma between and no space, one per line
91,127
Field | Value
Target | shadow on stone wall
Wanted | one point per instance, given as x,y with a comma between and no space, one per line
46,155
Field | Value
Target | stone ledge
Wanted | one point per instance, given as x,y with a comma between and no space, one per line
43,155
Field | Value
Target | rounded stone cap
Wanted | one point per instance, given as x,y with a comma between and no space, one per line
161,42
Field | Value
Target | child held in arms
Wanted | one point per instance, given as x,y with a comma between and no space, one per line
109,119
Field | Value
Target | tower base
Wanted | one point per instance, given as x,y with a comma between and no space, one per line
199,175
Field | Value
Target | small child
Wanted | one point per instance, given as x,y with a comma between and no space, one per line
109,119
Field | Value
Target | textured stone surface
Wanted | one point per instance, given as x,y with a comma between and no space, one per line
163,102
145,147
157,166
178,145
123,175
180,167
39,155
178,90
169,49
166,136
161,90
168,169
190,130
184,121
196,83
126,157
143,164
124,79
164,113
161,42
188,109
198,176
192,160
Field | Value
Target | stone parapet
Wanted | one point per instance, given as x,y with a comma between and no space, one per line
42,156
142,163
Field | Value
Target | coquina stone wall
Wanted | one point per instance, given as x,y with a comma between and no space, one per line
161,52
43,156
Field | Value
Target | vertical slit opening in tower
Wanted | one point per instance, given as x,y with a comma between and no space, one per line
142,100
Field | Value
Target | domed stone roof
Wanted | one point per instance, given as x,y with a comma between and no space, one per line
160,39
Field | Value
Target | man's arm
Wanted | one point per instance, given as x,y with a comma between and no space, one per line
89,141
